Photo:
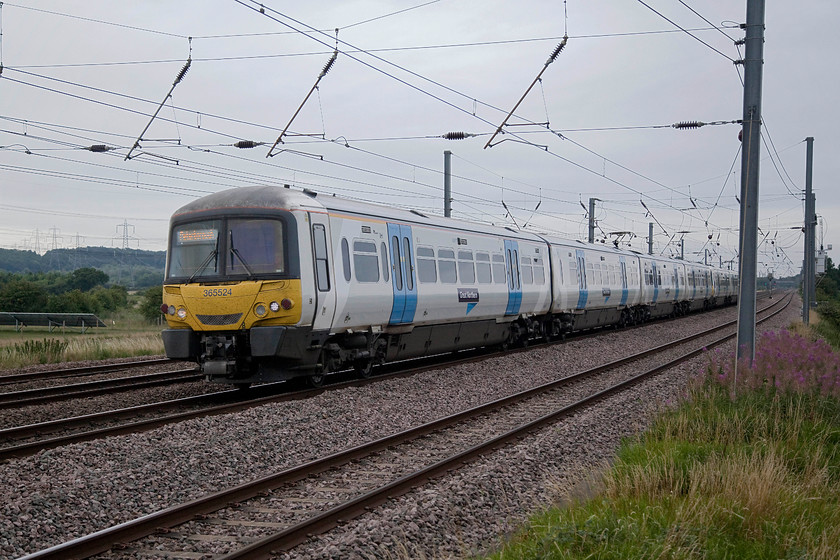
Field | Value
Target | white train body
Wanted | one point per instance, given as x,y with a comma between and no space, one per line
341,283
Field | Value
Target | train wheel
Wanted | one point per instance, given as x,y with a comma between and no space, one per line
363,368
316,378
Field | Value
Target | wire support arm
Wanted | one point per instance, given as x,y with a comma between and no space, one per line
178,79
557,50
323,73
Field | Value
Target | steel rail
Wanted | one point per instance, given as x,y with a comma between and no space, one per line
79,371
31,397
103,540
297,534
30,448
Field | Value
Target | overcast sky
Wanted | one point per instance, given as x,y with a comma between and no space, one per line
83,73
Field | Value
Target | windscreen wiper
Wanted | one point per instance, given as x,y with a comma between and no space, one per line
212,255
235,251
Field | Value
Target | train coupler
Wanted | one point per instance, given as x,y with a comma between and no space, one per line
219,357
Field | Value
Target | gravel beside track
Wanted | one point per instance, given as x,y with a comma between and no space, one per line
45,412
64,493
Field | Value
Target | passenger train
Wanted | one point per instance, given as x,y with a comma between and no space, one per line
272,283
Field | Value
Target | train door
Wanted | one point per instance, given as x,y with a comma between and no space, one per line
623,272
656,280
676,283
514,282
322,260
402,274
583,292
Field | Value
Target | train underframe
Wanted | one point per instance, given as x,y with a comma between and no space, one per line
265,354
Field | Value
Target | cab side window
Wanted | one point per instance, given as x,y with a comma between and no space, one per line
322,267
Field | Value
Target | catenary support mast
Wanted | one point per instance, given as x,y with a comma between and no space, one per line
809,284
751,138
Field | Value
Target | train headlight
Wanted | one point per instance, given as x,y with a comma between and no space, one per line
182,313
260,310
286,303
274,306
168,309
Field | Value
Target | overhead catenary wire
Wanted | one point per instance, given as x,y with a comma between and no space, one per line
681,28
352,51
400,67
546,149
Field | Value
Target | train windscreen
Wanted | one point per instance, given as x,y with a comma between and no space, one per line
195,250
215,249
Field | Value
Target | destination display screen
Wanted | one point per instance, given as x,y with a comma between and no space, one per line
195,236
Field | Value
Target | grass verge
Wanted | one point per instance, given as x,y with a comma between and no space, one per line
749,472
127,335
68,349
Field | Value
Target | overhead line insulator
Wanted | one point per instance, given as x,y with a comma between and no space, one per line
557,50
247,144
328,65
183,72
689,124
457,135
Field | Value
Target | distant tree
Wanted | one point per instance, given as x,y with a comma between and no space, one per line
14,260
22,296
75,301
145,277
85,279
110,299
150,302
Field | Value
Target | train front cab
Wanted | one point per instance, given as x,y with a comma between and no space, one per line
233,293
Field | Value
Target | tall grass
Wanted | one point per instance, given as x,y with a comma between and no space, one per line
828,329
744,467
30,352
34,351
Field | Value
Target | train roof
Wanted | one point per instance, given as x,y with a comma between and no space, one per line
262,197
286,198
272,197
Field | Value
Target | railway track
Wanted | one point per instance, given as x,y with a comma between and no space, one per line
30,397
27,440
283,509
78,371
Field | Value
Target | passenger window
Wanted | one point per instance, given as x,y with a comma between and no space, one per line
527,271
395,246
426,266
365,261
446,266
498,268
466,268
322,270
482,268
385,262
539,271
345,258
409,264
514,262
